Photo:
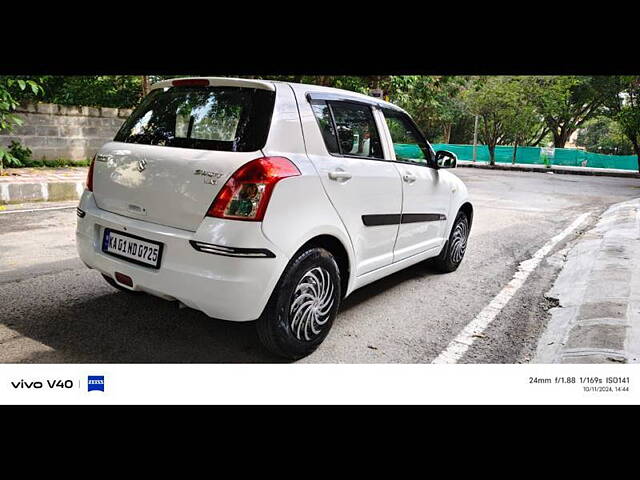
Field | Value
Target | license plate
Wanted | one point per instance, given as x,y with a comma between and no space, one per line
131,248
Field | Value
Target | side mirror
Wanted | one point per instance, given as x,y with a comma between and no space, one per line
446,159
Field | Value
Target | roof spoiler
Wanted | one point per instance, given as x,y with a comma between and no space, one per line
215,82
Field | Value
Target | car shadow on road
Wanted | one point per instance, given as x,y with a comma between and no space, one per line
109,326
420,270
118,327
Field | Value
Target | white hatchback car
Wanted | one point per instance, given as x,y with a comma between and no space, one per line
268,201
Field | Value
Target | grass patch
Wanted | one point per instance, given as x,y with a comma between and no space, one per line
20,157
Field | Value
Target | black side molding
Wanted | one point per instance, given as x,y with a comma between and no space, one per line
396,219
377,220
422,217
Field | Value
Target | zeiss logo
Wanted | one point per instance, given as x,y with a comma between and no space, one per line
95,382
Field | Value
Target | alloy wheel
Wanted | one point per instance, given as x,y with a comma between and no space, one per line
311,305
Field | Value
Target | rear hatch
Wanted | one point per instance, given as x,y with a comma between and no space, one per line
178,148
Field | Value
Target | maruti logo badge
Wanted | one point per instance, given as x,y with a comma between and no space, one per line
95,382
142,164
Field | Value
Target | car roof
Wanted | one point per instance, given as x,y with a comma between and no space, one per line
340,93
305,88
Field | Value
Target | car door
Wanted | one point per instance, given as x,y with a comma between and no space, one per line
344,144
426,194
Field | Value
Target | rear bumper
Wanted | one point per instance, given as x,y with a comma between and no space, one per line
221,286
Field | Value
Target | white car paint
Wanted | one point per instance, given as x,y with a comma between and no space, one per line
166,202
374,186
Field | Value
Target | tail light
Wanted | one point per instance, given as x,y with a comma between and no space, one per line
246,194
90,175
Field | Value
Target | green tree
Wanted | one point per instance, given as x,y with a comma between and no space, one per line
567,102
623,106
604,135
450,109
434,102
415,94
9,87
492,100
116,91
522,122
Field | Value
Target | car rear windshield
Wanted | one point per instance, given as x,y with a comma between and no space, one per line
231,119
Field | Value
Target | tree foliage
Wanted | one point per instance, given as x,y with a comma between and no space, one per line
623,106
604,135
491,103
9,87
523,124
115,91
434,102
567,102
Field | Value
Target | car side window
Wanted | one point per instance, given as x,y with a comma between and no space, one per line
407,141
355,126
357,131
325,122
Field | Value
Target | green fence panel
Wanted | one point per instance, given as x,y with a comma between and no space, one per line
504,154
531,155
464,152
623,162
528,155
408,150
566,157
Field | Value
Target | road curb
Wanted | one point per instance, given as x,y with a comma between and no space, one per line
598,290
553,169
23,192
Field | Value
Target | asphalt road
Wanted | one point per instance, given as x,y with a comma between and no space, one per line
53,309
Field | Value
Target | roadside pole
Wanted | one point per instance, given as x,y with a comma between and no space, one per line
475,139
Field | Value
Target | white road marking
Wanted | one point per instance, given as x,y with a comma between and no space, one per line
36,209
459,345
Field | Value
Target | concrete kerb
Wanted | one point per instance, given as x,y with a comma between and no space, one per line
556,169
12,193
598,290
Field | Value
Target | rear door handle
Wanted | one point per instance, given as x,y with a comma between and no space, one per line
339,175
409,177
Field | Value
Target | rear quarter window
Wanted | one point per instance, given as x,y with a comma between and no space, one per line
325,122
233,119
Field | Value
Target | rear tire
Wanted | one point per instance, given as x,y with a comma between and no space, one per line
453,251
115,284
303,305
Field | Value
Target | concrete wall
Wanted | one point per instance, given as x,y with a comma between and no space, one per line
57,131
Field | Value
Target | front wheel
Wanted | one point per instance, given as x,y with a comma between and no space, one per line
303,305
453,252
